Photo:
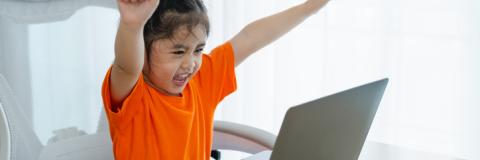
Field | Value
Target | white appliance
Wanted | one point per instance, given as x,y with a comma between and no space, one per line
5,145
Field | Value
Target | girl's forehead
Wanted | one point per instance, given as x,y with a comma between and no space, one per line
184,38
184,32
167,44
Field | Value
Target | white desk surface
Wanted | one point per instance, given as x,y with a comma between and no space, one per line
379,151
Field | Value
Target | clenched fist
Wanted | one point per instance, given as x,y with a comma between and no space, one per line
135,13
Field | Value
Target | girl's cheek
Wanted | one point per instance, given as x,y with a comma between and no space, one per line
198,64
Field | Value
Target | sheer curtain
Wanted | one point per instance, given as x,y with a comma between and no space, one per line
68,61
428,48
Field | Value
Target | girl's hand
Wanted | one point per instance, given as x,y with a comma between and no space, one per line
135,13
314,5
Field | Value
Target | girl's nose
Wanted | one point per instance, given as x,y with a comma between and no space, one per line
189,63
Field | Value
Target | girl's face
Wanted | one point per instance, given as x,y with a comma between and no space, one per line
173,62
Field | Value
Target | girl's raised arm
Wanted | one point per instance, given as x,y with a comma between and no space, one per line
129,47
262,32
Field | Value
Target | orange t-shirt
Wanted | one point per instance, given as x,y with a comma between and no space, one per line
153,126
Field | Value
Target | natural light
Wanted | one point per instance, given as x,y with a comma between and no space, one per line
429,49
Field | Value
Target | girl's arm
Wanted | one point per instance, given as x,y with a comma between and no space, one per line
129,47
262,32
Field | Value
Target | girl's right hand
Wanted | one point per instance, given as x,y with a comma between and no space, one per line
135,13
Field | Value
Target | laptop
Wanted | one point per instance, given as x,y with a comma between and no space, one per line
332,128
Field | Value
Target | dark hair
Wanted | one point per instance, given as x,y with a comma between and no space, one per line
170,15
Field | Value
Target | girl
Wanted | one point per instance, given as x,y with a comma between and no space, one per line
161,91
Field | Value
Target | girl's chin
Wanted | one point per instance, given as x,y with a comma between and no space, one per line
177,91
173,91
170,93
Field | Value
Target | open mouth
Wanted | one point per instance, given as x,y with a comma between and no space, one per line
180,79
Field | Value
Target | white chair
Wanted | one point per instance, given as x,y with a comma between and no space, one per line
238,137
4,135
23,144
227,136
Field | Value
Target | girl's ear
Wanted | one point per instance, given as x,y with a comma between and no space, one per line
146,66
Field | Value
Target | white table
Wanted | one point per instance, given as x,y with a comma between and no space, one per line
380,151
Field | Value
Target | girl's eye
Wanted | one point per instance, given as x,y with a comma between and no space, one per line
179,52
198,51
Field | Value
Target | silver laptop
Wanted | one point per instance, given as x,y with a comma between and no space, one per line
329,128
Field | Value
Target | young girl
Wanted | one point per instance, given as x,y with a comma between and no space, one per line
161,91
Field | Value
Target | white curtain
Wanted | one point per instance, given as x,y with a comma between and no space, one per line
68,61
428,48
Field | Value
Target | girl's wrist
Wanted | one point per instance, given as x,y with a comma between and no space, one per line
312,7
131,27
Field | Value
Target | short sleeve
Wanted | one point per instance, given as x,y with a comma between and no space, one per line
217,73
120,118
